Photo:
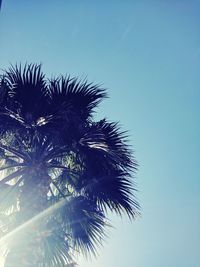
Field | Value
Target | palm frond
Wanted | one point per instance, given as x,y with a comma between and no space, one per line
4,88
108,168
12,166
13,175
114,191
56,251
8,196
73,97
27,90
106,140
85,223
15,152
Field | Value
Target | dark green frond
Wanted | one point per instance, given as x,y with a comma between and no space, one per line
4,89
15,152
74,98
86,223
27,91
11,176
105,140
108,168
56,251
113,190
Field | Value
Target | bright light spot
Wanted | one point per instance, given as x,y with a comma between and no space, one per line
1,261
29,223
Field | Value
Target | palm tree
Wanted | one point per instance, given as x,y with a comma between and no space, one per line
61,170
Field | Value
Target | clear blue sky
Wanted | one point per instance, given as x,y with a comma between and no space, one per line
147,53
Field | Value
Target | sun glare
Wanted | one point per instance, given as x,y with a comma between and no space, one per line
1,261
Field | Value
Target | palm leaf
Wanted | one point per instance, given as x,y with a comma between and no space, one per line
103,138
27,90
85,223
56,251
74,97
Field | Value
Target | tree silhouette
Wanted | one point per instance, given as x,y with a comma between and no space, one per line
61,169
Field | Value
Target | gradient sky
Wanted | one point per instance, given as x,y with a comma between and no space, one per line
147,53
